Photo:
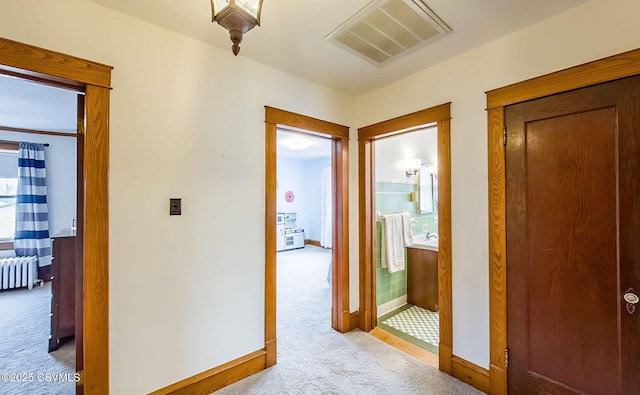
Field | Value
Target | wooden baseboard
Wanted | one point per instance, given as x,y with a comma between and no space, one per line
425,356
354,320
312,242
271,347
470,373
445,353
497,380
218,377
364,320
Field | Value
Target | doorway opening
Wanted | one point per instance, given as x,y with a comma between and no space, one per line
337,135
94,79
42,309
406,237
304,236
368,139
304,191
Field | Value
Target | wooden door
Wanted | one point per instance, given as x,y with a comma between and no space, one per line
573,241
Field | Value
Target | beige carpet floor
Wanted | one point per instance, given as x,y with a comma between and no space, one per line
315,359
24,339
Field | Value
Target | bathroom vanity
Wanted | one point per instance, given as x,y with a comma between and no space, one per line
422,275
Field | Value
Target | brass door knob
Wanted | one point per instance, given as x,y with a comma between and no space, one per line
632,299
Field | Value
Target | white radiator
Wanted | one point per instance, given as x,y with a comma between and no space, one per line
18,271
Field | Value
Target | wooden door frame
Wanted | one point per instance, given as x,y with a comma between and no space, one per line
366,137
623,65
340,314
94,79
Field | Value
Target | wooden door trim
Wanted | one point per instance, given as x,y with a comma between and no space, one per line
340,311
607,69
340,316
393,126
366,137
95,80
626,64
51,67
79,253
308,124
96,241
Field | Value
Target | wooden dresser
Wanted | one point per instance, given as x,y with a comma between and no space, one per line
63,288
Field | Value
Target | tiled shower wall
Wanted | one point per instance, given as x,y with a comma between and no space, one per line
393,198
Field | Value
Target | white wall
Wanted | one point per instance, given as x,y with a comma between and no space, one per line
292,176
392,153
187,120
60,158
303,178
591,31
176,131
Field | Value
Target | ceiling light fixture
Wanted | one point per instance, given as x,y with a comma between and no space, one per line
237,16
298,144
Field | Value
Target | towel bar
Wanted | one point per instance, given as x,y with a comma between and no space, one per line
380,215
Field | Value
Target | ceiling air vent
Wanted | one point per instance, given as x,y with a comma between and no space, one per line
386,30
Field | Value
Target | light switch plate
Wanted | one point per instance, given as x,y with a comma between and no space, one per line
175,206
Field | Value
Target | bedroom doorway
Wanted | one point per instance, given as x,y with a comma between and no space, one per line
341,318
94,79
45,308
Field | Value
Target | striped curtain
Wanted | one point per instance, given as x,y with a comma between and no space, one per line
32,214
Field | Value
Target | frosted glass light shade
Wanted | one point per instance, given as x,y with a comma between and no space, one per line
219,5
251,6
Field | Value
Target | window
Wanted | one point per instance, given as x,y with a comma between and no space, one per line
8,193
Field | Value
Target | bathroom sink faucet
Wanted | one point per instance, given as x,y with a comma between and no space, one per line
428,236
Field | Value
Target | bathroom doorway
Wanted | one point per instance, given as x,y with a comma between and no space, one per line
406,237
367,138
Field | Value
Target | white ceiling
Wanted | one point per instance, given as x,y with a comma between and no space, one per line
291,35
291,39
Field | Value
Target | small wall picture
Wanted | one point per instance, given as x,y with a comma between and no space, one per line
288,196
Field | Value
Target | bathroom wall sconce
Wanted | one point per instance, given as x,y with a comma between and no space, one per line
413,166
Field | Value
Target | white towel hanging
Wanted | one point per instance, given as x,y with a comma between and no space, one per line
392,244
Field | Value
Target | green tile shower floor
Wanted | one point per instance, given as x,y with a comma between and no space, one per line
413,324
